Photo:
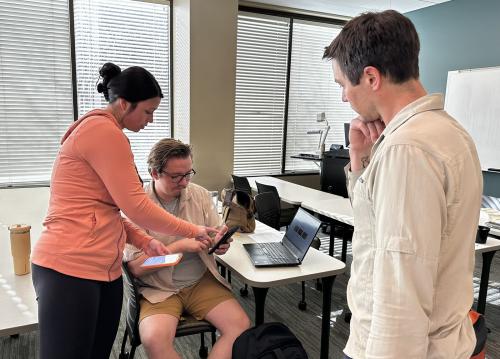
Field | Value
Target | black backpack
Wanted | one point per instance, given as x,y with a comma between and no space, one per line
268,341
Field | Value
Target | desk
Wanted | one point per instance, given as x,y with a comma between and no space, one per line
17,295
488,251
339,209
290,192
315,265
317,161
334,207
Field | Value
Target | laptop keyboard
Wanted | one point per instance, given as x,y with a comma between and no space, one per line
277,252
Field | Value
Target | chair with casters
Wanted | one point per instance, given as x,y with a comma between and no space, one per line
286,214
241,184
187,326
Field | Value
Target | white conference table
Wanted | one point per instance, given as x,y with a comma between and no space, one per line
339,209
289,192
17,296
315,265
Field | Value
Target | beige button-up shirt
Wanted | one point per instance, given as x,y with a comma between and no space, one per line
416,209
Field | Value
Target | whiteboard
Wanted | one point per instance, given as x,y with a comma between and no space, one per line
473,99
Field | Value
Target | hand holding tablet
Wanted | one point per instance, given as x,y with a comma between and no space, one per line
162,261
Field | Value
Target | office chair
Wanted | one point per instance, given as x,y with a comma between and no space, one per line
268,211
286,214
241,184
185,327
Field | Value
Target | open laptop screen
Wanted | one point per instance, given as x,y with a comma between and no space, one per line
301,232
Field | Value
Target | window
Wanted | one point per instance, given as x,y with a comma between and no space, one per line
35,88
312,91
272,119
36,97
127,33
261,67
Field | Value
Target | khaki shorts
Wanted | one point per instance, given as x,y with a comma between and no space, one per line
197,300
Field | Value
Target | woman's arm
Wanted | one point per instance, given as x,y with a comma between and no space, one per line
104,146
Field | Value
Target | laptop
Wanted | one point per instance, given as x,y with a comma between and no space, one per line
293,247
311,155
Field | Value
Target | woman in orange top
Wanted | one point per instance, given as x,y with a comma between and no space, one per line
77,260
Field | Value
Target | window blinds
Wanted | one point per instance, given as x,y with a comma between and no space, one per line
262,50
127,33
35,88
313,90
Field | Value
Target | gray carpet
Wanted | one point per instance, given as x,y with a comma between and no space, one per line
281,305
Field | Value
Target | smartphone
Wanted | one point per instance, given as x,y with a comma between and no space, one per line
224,239
228,197
162,261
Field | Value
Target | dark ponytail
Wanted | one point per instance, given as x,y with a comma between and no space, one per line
133,84
108,71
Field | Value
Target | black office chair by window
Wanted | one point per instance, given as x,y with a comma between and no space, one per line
268,209
241,184
286,214
268,212
189,326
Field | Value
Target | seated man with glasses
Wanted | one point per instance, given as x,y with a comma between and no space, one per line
194,284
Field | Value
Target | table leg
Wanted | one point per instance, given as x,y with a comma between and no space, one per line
483,284
325,321
332,238
343,256
222,270
260,301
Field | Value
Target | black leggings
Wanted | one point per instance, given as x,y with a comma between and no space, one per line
77,318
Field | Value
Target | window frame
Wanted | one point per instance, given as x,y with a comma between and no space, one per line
291,16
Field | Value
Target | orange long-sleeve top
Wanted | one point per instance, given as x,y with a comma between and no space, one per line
93,179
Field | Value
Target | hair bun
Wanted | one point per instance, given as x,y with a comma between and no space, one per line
100,87
109,70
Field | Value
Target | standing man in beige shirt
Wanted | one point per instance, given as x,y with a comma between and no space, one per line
415,184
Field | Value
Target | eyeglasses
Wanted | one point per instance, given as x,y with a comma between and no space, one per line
179,178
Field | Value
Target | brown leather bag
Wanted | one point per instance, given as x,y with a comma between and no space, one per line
238,209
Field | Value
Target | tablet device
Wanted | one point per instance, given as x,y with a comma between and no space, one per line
162,261
224,239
